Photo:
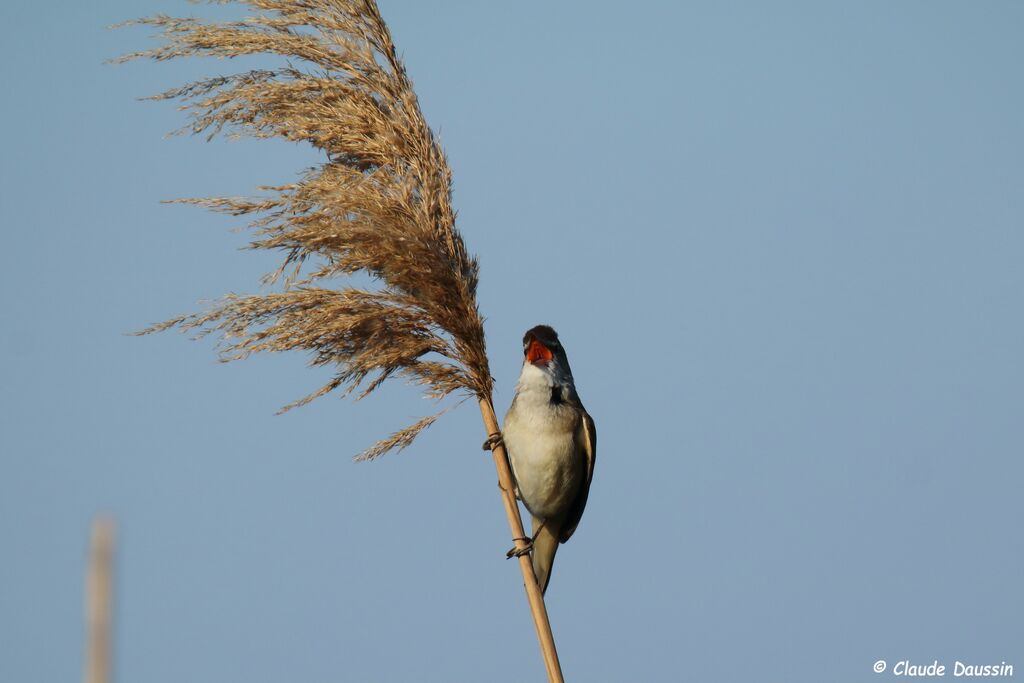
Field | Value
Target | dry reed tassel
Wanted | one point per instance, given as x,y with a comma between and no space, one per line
98,598
378,204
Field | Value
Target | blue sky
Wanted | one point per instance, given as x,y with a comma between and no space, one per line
782,243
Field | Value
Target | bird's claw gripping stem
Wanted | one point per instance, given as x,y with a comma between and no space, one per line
516,551
493,441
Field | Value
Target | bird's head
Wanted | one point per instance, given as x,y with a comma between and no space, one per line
542,350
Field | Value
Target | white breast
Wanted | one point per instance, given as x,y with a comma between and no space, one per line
539,437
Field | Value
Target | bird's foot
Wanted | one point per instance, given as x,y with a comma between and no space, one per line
516,551
493,441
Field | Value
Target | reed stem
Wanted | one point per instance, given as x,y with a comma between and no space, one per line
515,522
98,599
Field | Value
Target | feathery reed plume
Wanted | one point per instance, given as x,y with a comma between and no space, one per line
380,204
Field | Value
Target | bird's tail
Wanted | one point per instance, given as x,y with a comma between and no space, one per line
545,545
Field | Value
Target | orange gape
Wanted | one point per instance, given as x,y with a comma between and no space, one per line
537,351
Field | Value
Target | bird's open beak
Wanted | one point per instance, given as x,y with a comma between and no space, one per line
538,353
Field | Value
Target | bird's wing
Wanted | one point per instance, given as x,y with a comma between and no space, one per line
586,437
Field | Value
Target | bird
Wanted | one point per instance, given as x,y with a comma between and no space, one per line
551,443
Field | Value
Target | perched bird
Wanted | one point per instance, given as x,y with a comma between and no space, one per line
551,443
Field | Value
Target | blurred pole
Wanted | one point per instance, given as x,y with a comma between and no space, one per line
98,598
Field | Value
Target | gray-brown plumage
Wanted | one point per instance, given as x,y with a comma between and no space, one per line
552,446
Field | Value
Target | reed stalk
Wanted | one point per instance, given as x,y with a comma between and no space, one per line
99,591
533,593
379,203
